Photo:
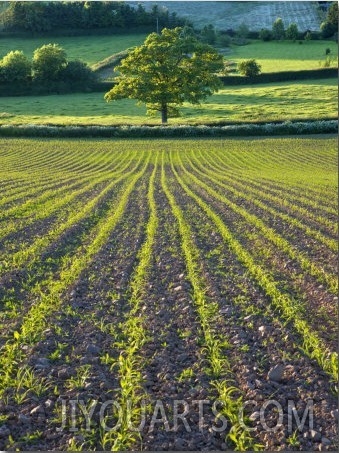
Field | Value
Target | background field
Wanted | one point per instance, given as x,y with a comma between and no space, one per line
273,56
285,55
257,15
278,101
167,270
90,49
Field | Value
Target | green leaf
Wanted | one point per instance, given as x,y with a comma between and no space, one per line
16,335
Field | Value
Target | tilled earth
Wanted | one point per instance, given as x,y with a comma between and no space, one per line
289,402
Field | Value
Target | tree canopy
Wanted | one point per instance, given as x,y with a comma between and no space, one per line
46,16
15,67
48,62
167,70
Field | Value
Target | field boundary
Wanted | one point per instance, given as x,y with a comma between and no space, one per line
327,126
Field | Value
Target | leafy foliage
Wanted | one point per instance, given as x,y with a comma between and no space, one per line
292,32
249,68
48,62
265,34
15,67
168,70
278,29
42,17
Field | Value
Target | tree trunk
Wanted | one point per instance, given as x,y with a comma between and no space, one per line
164,114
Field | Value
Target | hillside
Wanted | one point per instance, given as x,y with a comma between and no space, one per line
256,15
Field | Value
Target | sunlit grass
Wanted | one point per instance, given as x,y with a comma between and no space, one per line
90,49
275,56
269,102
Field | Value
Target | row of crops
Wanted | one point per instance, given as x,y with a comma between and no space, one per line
150,289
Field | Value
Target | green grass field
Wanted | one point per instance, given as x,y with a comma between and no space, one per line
277,56
149,271
273,56
278,101
90,49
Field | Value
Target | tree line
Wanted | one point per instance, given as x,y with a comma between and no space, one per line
42,17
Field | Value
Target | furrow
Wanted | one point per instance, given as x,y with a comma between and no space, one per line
35,322
269,234
214,346
312,344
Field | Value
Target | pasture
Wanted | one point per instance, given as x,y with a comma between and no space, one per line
161,271
275,56
91,48
314,99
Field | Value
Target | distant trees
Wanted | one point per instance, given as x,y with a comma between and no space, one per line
278,32
42,17
265,34
278,29
330,26
48,71
292,32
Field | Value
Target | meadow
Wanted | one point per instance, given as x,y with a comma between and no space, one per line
168,270
275,56
90,49
314,99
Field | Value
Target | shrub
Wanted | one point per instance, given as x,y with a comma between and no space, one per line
223,40
241,34
208,34
278,29
292,32
78,74
15,68
265,34
249,68
48,61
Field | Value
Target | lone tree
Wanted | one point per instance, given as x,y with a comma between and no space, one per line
167,70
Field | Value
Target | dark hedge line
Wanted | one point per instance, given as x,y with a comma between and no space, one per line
31,89
283,76
270,77
241,130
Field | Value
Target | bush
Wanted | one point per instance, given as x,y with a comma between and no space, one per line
15,68
278,29
292,32
327,30
78,74
249,68
48,61
208,34
223,40
241,35
265,34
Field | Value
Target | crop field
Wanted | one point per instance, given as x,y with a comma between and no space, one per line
316,99
168,295
255,14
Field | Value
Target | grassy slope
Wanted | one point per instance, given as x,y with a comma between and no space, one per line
286,55
278,101
273,56
86,48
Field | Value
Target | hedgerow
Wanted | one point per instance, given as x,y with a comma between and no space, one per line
241,130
